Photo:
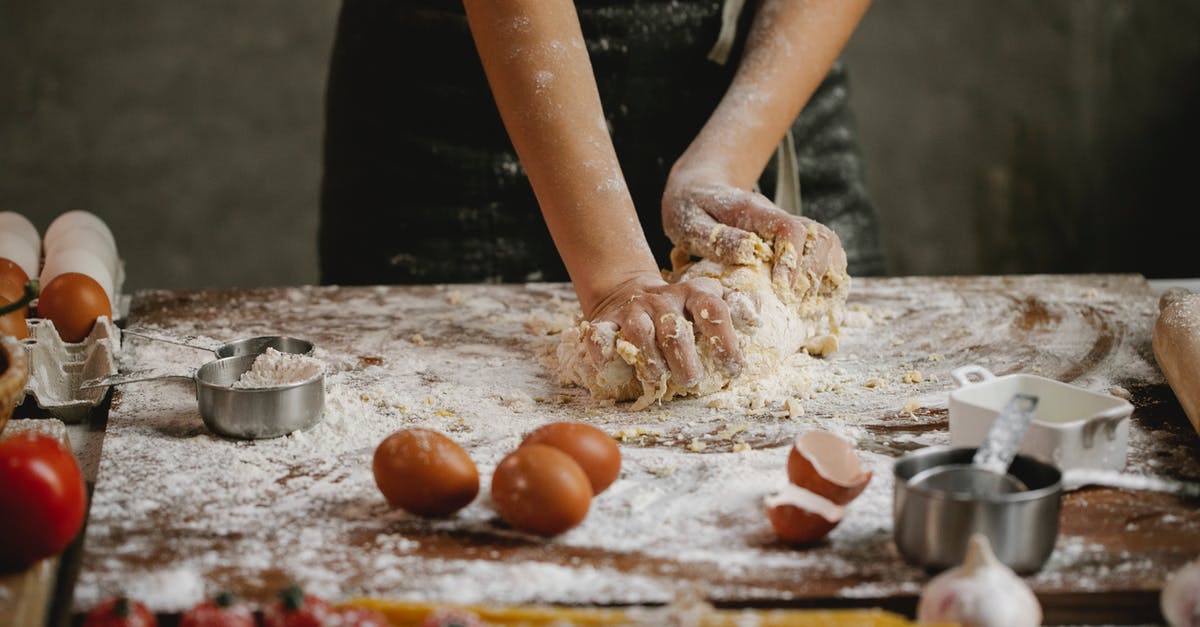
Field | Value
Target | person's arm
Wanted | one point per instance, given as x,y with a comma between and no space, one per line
536,62
708,207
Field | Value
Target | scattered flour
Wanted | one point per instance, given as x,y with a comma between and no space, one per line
177,505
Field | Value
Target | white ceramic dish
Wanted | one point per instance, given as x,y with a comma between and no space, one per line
1072,427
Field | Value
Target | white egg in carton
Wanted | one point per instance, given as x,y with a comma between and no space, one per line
56,368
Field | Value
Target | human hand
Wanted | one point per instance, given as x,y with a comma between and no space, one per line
658,320
707,217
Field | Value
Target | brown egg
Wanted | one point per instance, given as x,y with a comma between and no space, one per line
594,450
12,289
73,301
541,490
424,472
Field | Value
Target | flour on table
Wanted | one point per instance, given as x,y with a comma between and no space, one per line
274,368
772,323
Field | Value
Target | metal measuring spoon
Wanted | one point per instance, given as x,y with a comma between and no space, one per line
987,474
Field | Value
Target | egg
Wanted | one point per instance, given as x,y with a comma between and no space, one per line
18,250
594,450
12,289
17,224
79,261
86,239
12,278
424,472
541,490
75,219
73,301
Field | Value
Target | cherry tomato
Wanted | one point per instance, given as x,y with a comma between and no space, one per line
42,500
293,608
222,610
120,612
358,617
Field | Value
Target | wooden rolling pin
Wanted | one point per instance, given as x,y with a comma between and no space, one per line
1177,348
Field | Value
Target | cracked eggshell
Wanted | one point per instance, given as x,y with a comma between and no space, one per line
827,464
800,516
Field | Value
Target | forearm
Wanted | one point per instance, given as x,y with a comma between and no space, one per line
790,48
537,65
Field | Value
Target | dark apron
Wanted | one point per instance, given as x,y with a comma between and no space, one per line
421,184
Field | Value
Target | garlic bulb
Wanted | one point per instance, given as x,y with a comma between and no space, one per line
982,592
1180,601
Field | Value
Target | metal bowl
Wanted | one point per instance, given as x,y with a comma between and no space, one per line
259,345
255,413
931,527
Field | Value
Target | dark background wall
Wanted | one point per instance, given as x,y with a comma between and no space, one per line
1019,136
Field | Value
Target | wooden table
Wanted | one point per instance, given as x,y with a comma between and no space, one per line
178,512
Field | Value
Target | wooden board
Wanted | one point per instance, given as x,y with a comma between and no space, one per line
177,512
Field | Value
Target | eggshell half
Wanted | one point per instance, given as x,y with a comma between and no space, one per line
799,516
827,464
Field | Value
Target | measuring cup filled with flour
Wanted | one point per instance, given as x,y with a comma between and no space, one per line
261,396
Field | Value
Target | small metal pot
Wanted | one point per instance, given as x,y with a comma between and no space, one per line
255,413
931,527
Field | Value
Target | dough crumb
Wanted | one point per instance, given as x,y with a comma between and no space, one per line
741,447
822,345
696,446
794,409
417,339
873,382
910,405
913,377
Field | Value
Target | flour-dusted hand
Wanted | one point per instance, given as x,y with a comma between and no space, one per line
734,226
660,321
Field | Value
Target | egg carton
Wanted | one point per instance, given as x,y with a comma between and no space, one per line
56,368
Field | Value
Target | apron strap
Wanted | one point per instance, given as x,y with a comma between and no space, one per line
730,12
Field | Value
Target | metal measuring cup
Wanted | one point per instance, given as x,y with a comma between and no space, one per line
235,412
245,346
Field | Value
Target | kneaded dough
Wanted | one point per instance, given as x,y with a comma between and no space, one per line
771,321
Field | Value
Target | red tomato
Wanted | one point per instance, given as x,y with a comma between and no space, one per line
357,617
42,501
120,612
222,611
293,608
